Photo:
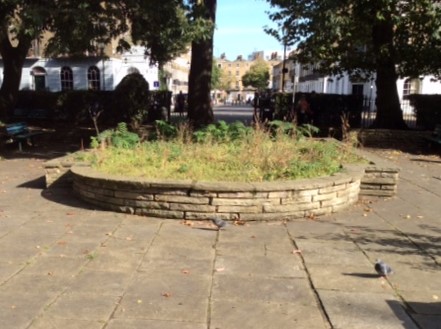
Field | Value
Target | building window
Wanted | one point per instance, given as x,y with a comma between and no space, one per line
357,89
411,87
66,78
39,75
93,78
237,73
406,87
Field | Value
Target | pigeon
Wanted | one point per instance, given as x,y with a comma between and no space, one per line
382,268
219,222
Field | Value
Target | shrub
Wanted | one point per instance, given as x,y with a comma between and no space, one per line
120,137
132,99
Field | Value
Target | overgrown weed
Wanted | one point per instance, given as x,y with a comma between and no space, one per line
223,152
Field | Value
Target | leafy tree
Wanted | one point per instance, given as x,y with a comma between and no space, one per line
219,79
388,38
72,24
216,75
257,76
164,27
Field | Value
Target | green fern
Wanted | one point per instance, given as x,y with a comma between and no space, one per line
118,137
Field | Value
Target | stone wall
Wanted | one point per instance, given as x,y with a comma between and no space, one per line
380,177
57,171
247,201
201,200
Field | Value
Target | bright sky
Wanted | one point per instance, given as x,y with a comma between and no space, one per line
239,28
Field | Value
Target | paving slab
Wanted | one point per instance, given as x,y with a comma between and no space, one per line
46,322
83,306
273,265
365,310
153,324
348,278
428,321
265,289
250,314
65,264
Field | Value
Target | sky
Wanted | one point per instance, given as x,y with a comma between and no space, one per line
239,28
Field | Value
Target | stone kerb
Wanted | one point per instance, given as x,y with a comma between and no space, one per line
192,200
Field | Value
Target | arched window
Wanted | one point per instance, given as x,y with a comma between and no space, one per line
406,87
39,75
66,78
93,78
411,87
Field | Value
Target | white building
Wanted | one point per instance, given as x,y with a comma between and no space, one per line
91,73
307,80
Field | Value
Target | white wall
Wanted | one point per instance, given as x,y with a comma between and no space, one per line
112,71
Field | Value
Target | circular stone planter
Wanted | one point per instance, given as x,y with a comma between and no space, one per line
192,200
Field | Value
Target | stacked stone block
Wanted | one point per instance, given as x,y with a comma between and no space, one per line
200,200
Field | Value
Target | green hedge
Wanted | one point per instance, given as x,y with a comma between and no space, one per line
73,106
427,109
327,108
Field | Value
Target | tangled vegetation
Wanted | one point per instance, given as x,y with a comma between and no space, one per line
220,152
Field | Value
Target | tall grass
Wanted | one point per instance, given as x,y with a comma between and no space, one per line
252,155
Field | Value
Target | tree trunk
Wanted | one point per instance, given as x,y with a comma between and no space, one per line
13,61
200,111
389,113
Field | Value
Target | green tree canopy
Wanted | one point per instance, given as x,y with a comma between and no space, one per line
257,76
165,27
74,27
381,38
219,79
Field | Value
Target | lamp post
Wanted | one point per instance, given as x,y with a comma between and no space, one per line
284,59
102,47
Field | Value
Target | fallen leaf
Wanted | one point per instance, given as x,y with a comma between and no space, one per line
139,301
420,217
220,269
253,237
129,238
185,271
166,294
188,223
435,297
296,251
70,214
365,215
408,217
109,233
239,222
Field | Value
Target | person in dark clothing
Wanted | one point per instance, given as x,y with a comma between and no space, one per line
303,111
180,103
